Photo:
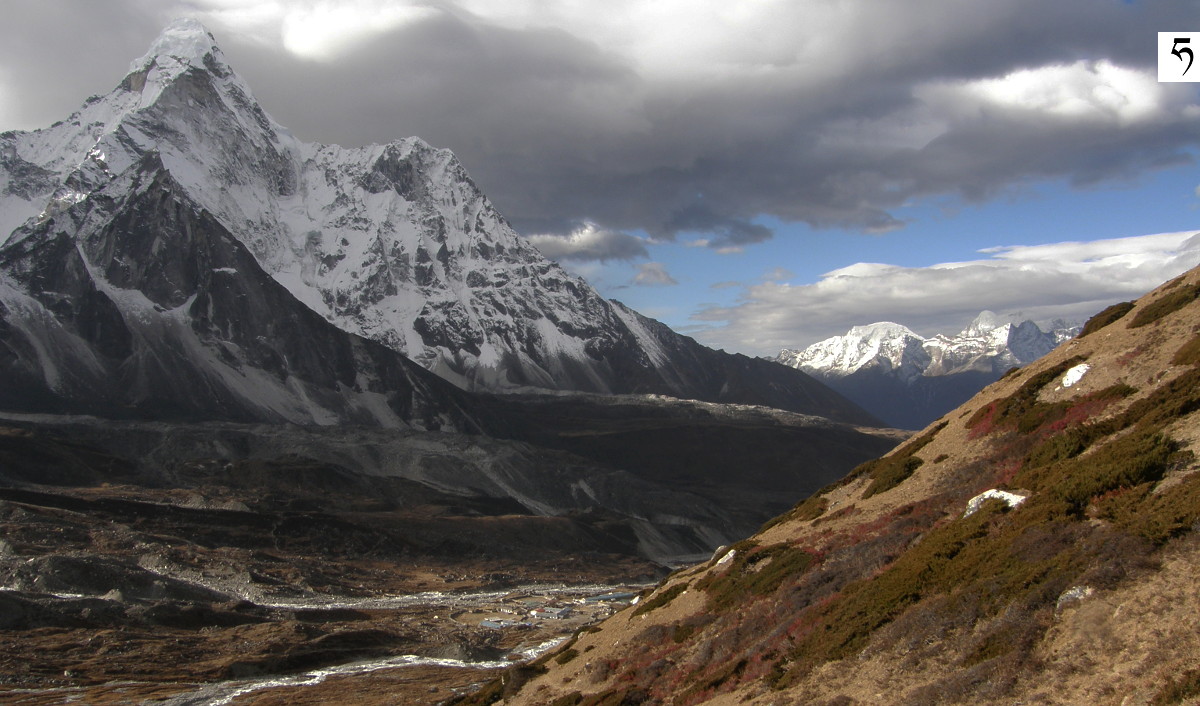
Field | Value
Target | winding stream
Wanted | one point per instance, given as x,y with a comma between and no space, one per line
222,693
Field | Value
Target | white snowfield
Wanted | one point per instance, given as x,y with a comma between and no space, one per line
392,242
1011,499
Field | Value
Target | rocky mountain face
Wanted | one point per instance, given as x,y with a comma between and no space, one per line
136,302
389,243
235,443
1037,545
172,257
909,381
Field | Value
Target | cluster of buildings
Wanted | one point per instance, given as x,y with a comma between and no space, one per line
540,609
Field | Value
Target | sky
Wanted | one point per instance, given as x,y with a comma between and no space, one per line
757,174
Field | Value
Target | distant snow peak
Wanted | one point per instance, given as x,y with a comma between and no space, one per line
991,342
985,323
881,330
882,344
909,381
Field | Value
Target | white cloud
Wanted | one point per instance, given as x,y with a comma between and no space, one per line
311,29
1070,280
653,274
1084,90
590,243
678,119
324,29
777,274
250,19
10,116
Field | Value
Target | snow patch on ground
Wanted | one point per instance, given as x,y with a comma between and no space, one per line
1011,499
1073,595
1075,374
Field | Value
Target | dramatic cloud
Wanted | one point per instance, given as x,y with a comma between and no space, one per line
653,274
591,243
669,117
1071,281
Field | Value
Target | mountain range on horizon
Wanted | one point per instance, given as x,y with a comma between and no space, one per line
909,380
169,249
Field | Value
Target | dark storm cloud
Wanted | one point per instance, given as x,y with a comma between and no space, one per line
829,114
55,53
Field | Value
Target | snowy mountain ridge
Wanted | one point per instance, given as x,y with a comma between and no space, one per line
375,239
908,380
989,342
394,243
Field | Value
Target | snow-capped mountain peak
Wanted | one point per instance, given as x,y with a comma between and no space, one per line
184,42
882,344
881,330
394,243
985,323
908,380
991,341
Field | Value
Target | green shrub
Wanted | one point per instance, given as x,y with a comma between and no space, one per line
1154,516
1067,445
1059,415
1188,353
892,470
1021,407
661,598
1175,691
890,473
1142,456
1172,400
566,655
1165,305
1018,562
844,625
754,573
1011,636
623,697
682,633
810,508
1105,317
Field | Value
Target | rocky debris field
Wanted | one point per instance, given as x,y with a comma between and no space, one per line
123,593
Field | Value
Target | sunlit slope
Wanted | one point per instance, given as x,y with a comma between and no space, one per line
1075,585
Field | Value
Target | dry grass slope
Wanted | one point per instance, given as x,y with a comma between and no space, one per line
881,589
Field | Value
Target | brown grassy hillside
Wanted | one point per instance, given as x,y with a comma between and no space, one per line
880,589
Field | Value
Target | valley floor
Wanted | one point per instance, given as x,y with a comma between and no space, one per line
106,599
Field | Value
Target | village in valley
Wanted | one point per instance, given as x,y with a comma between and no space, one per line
529,609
